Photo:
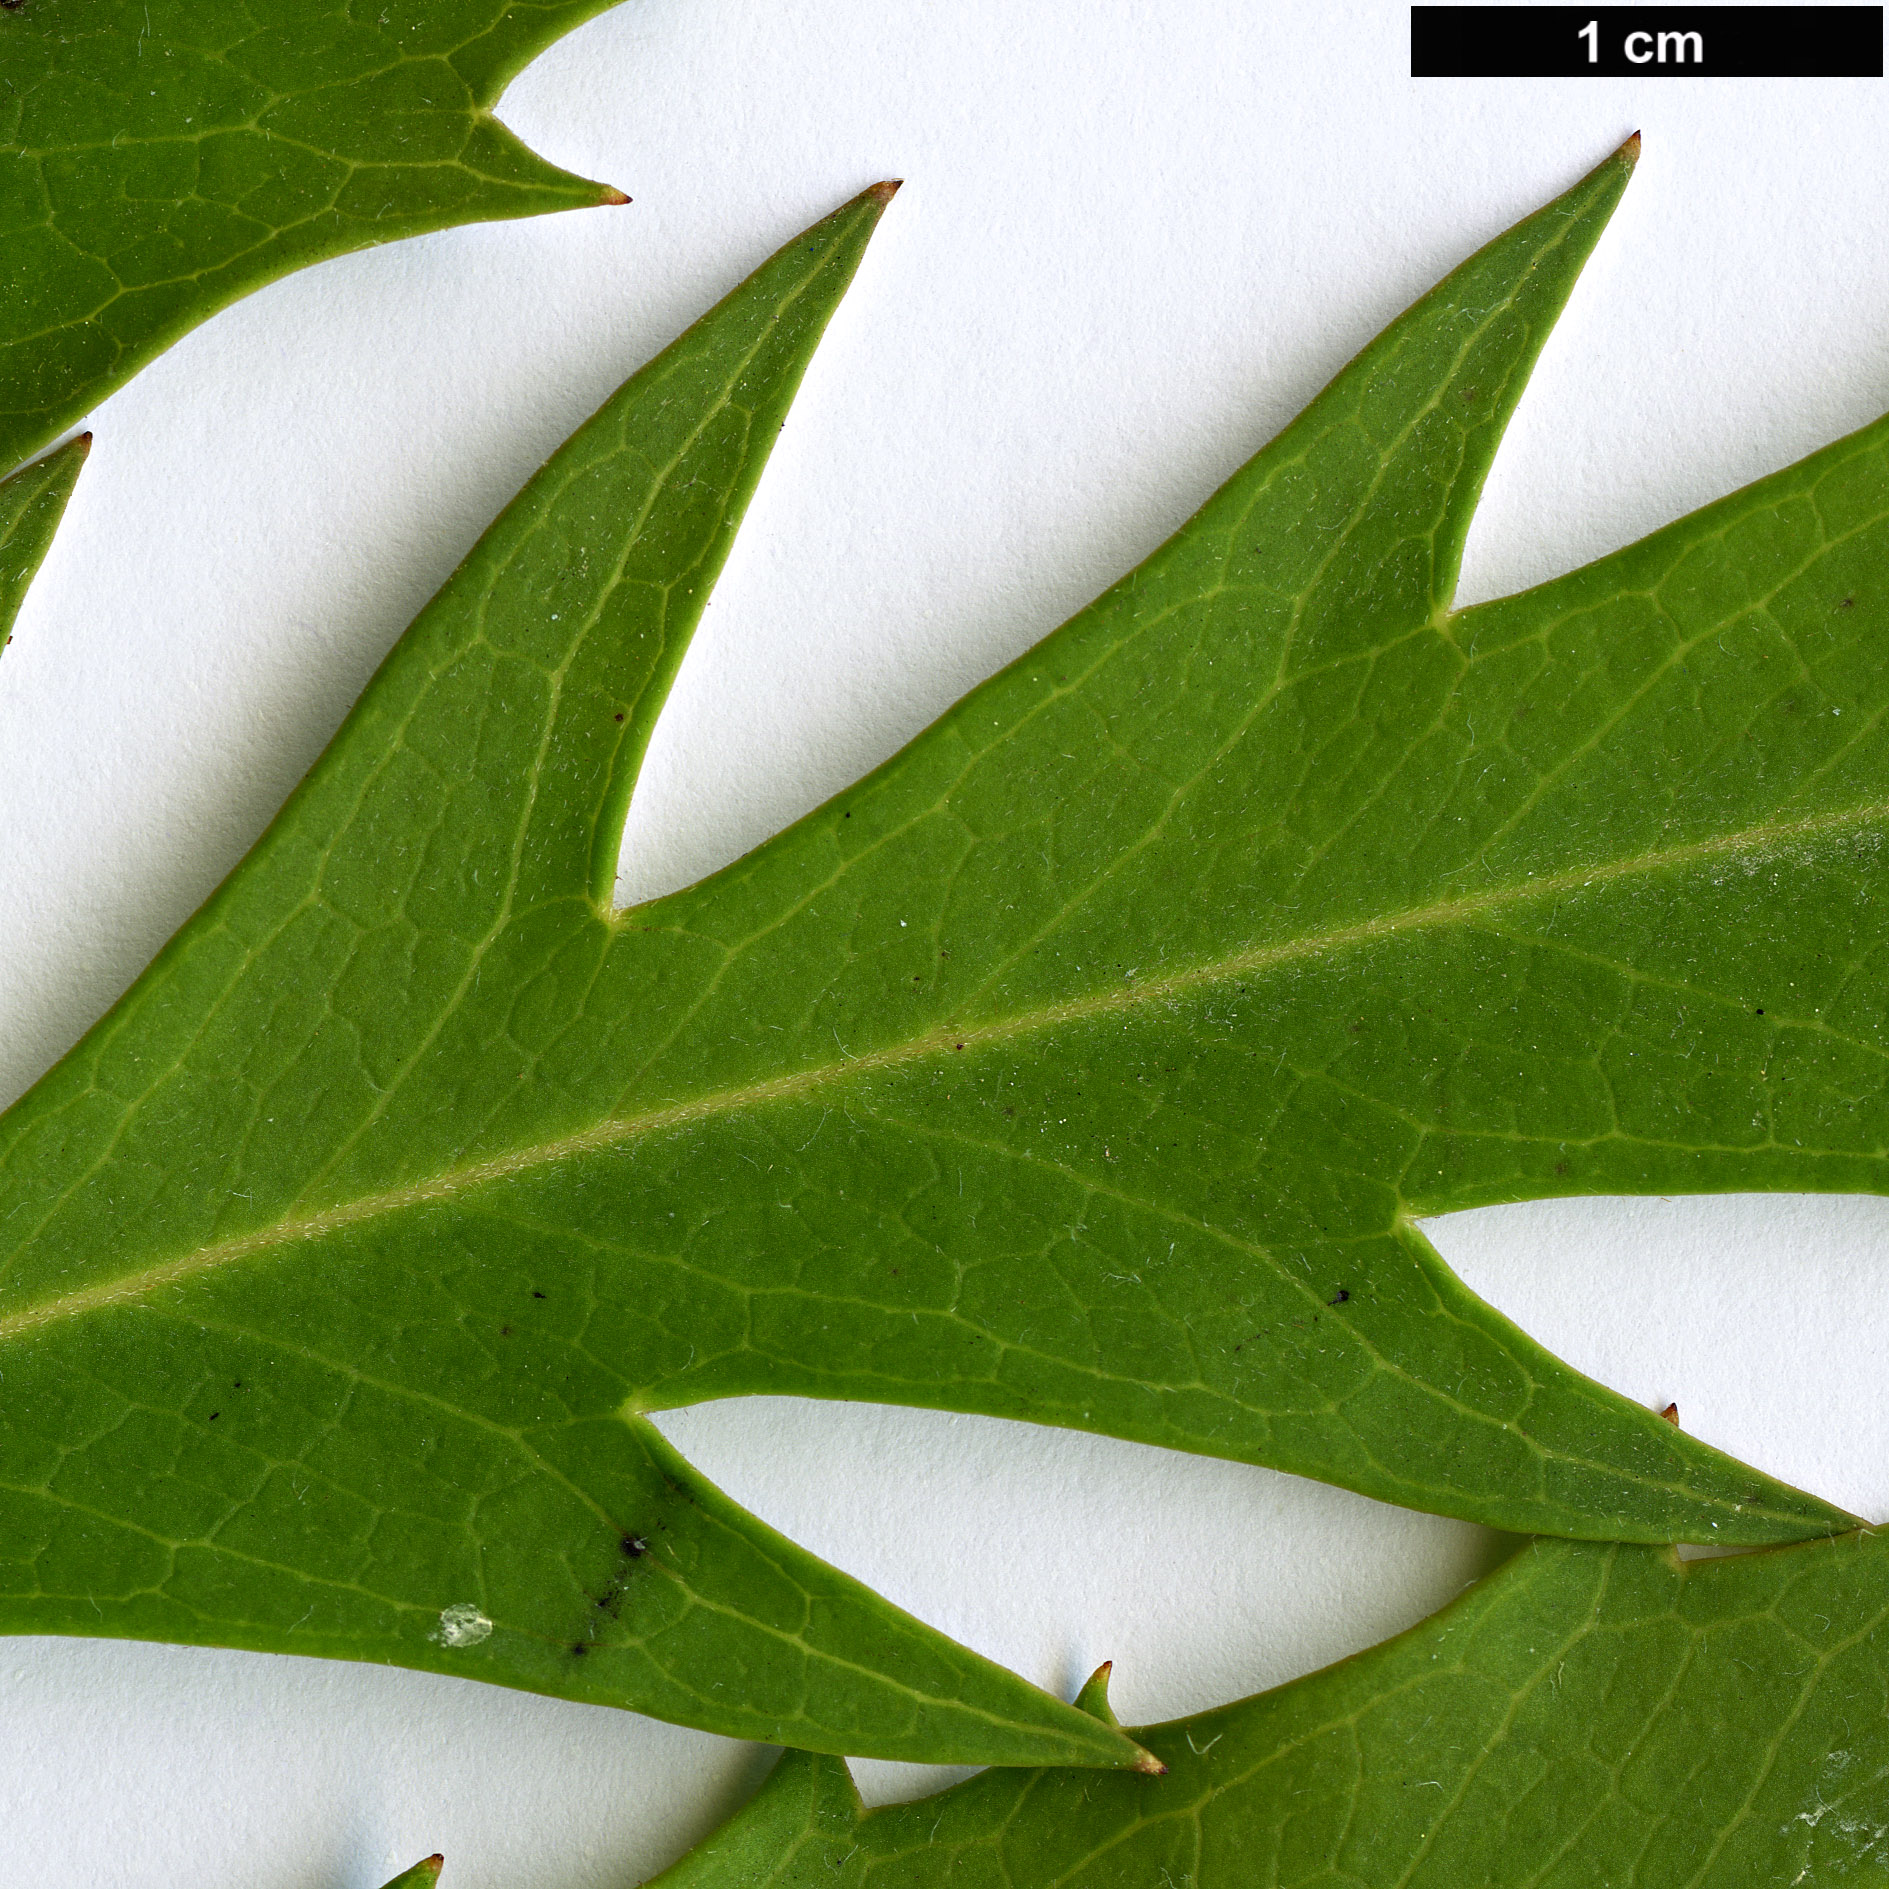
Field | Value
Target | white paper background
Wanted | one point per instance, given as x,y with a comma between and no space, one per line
1133,240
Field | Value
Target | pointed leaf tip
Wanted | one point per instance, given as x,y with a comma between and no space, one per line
423,1875
329,69
1093,1698
1467,1704
610,194
1629,153
31,503
887,190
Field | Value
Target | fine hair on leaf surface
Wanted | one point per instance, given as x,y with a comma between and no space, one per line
1089,1062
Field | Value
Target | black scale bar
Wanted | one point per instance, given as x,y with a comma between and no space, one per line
1646,42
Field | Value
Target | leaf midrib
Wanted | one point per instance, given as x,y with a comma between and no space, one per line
940,1040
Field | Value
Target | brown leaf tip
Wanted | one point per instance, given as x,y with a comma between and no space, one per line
609,193
1629,153
1671,1414
885,192
1149,1765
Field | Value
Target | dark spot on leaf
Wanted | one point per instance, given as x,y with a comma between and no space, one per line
214,1415
1759,1013
1848,603
619,714
633,1546
1340,1297
504,1331
1560,1167
578,1649
536,1294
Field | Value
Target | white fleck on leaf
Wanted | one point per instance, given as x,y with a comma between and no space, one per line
462,1625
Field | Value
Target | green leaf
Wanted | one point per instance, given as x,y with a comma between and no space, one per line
1586,1714
800,1829
160,158
422,1875
32,502
1087,1063
437,1467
